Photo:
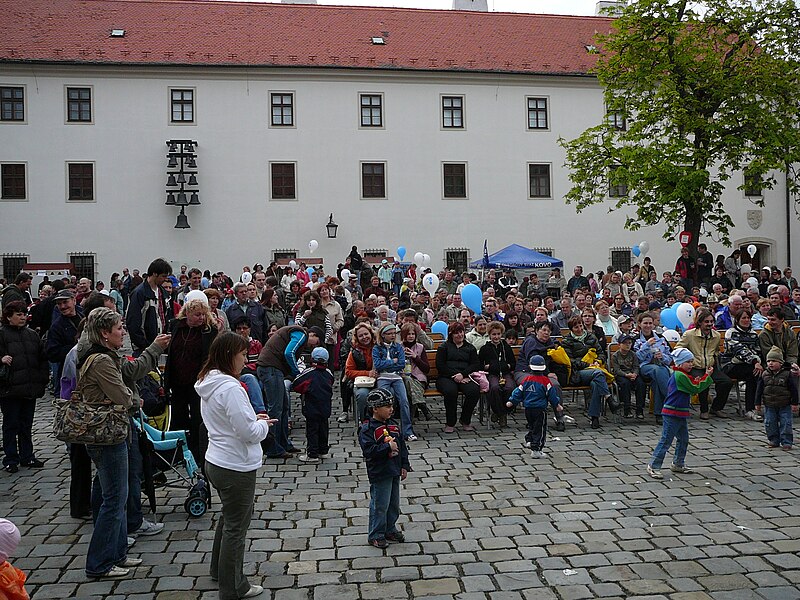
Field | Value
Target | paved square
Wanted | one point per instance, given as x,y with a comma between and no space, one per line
483,521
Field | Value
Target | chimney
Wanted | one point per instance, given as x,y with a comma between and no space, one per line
609,8
474,5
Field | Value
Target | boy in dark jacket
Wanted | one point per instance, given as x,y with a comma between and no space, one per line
625,367
316,385
386,457
777,392
535,391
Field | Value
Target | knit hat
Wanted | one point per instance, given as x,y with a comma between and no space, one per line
536,363
9,538
682,355
775,353
317,331
320,355
380,397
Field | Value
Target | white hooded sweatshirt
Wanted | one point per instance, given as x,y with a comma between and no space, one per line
234,432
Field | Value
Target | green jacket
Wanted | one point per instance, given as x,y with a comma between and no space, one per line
785,339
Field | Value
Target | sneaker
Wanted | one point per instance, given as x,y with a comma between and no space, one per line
628,415
640,415
34,464
681,469
255,590
526,445
654,473
704,416
131,541
538,454
379,543
148,528
312,460
129,562
11,469
412,438
560,426
343,418
397,537
293,450
113,572
719,414
449,429
787,448
326,455
753,416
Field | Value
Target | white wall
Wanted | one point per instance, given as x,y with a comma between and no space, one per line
237,224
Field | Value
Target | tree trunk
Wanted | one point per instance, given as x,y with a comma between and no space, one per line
692,224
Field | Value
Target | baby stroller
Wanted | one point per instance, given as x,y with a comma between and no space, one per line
168,450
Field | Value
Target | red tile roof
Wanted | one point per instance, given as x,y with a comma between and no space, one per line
202,33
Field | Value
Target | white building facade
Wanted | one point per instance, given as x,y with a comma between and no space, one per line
436,161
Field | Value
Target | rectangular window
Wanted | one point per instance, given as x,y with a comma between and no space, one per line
545,251
12,103
373,180
537,113
616,189
13,181
79,105
283,181
539,176
621,259
455,180
182,103
13,265
453,112
82,266
371,110
753,186
80,181
456,260
282,105
616,119
286,255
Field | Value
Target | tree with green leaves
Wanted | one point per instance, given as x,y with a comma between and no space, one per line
696,93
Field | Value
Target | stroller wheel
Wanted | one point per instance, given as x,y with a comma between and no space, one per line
195,506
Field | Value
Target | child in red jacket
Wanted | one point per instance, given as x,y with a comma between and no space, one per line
12,580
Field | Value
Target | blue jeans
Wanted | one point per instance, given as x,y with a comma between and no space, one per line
135,475
674,428
384,507
254,392
361,401
398,389
109,543
596,379
659,379
277,404
778,425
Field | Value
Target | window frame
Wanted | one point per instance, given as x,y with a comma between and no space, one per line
456,264
83,163
82,272
274,163
616,190
381,108
444,165
613,118
747,181
528,110
171,101
443,110
292,105
24,118
67,120
18,259
619,257
26,195
549,166
361,176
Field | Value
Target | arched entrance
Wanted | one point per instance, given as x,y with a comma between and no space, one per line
765,254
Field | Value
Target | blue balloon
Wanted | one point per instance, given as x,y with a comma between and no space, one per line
669,319
635,250
401,252
310,270
439,327
472,297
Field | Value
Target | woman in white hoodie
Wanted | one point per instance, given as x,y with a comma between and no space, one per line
234,454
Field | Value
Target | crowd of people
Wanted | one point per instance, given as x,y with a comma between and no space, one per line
235,349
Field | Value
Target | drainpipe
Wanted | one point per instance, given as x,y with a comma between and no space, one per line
788,219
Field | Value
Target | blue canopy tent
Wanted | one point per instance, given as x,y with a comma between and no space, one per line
518,257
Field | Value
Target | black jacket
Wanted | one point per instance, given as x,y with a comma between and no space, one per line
29,369
500,358
371,437
316,385
451,360
62,336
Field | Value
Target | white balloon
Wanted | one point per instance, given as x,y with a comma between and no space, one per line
671,335
751,250
195,295
312,246
419,258
685,314
643,248
345,274
426,260
431,283
746,269
247,277
293,264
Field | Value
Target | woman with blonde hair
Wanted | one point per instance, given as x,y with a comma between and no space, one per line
359,364
192,333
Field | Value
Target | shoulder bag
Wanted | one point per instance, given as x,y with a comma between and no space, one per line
93,423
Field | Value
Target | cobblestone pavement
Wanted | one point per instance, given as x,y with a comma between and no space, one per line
482,521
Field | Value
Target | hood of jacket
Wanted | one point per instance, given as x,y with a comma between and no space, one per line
215,382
